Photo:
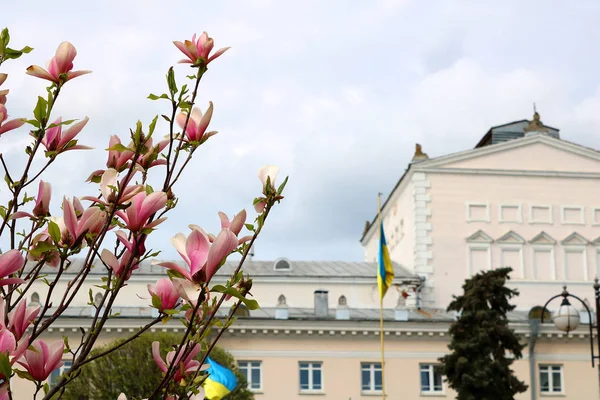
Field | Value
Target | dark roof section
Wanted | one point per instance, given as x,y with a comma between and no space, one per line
510,131
301,269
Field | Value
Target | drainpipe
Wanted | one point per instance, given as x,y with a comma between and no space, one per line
534,327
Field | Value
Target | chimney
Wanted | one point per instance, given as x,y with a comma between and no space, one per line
281,311
321,304
342,311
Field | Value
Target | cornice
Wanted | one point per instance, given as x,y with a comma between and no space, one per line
302,328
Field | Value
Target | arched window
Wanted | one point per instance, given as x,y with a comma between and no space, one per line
98,299
281,300
35,298
342,301
536,313
242,311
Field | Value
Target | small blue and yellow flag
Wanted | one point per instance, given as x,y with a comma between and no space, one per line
220,382
385,270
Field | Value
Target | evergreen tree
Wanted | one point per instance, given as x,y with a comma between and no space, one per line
132,370
482,344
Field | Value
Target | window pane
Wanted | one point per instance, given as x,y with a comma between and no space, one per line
255,378
437,380
366,379
425,384
303,365
316,375
244,370
378,383
304,379
556,384
544,384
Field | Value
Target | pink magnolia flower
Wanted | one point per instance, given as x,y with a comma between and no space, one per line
52,257
197,124
270,172
235,225
142,207
199,50
117,159
184,368
118,266
91,221
166,292
108,184
42,202
150,157
5,125
21,317
136,244
10,262
57,140
202,258
61,63
44,359
4,391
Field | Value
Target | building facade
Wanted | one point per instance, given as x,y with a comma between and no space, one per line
522,197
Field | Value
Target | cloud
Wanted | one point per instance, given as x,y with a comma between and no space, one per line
335,93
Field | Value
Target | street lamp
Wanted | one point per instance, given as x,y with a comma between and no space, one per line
566,318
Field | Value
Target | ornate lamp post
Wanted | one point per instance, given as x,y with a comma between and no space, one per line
566,318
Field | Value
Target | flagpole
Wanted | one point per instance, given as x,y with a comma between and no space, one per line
381,312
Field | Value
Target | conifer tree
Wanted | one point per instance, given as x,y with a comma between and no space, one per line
482,346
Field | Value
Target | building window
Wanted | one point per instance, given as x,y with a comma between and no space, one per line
371,377
540,214
252,371
572,215
510,213
431,379
551,378
478,212
55,375
311,376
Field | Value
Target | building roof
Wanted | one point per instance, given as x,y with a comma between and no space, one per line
298,314
300,269
510,131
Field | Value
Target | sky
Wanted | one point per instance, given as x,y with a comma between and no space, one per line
335,93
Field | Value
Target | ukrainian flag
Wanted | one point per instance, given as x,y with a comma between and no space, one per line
385,270
220,382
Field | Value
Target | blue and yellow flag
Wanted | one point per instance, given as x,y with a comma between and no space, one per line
220,382
385,270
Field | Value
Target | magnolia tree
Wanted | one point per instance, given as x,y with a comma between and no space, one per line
108,229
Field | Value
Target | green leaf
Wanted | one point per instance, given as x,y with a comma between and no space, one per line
251,304
40,111
155,97
24,375
54,231
166,118
5,368
33,122
118,147
250,227
282,186
171,81
41,248
156,302
4,37
152,126
68,122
